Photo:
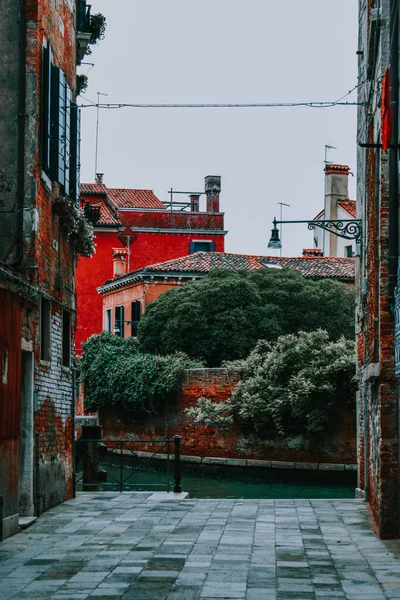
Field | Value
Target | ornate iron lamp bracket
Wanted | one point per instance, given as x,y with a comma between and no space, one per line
350,229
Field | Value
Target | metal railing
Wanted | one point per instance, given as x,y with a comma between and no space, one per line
112,464
83,16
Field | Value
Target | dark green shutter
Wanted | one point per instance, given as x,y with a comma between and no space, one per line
45,121
135,317
75,157
58,121
68,99
192,248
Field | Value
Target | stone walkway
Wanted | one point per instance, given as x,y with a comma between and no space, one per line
138,546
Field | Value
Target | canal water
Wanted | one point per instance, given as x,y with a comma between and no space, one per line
277,485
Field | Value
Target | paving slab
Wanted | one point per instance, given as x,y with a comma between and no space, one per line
139,546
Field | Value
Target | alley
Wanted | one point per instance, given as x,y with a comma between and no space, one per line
153,546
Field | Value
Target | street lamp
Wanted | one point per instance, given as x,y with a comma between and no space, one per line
350,229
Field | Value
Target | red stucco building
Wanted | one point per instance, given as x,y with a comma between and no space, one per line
149,232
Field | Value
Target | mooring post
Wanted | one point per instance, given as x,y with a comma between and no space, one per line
177,464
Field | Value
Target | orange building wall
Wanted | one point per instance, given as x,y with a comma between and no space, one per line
145,292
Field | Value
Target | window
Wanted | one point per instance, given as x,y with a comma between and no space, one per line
45,327
66,338
201,246
59,128
108,319
348,251
119,321
136,313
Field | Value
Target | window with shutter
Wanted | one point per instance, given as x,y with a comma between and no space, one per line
68,100
119,321
58,125
108,319
201,246
75,157
135,317
45,120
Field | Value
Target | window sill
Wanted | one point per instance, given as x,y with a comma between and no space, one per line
47,181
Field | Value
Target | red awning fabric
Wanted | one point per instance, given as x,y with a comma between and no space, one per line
386,111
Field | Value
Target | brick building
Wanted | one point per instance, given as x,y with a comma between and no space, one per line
377,204
126,296
150,231
40,43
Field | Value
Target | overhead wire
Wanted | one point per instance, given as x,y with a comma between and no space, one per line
313,104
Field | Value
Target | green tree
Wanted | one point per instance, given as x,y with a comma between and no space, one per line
296,385
224,314
116,373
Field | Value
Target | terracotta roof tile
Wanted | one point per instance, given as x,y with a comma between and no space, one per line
93,189
349,206
125,198
310,266
106,215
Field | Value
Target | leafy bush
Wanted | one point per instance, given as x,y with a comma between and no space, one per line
222,316
115,372
294,386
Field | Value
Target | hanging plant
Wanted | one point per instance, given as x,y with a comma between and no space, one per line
97,30
81,84
77,228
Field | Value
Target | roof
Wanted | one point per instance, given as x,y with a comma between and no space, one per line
113,199
200,263
126,198
106,214
348,206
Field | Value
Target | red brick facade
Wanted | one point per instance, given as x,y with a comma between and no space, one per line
38,40
378,427
217,385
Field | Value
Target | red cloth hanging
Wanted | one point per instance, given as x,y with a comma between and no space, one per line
386,110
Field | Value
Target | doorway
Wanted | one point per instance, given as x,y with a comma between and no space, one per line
26,457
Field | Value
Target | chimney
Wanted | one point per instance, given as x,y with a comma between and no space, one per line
312,252
194,202
212,189
120,261
99,178
336,190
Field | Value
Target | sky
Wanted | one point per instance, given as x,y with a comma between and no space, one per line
226,51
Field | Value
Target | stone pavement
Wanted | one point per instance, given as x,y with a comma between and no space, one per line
137,546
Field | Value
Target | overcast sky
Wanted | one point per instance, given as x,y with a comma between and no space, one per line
226,51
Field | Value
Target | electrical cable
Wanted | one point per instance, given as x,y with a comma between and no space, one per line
314,104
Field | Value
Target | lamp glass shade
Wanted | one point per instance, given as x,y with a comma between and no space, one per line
275,242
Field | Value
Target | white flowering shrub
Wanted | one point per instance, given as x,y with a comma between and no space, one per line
294,386
78,228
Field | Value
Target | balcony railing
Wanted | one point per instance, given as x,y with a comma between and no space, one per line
83,16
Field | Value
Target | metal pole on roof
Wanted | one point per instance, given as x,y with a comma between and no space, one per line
97,132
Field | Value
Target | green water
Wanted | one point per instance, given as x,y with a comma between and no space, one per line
280,484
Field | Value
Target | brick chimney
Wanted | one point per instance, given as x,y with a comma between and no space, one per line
120,261
194,202
312,252
336,190
213,189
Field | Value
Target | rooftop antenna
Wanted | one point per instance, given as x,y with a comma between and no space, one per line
97,130
281,205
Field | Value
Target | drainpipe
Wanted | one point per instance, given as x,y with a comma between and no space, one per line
21,120
366,445
393,174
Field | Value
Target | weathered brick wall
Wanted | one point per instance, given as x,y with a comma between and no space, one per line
377,407
52,253
217,384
